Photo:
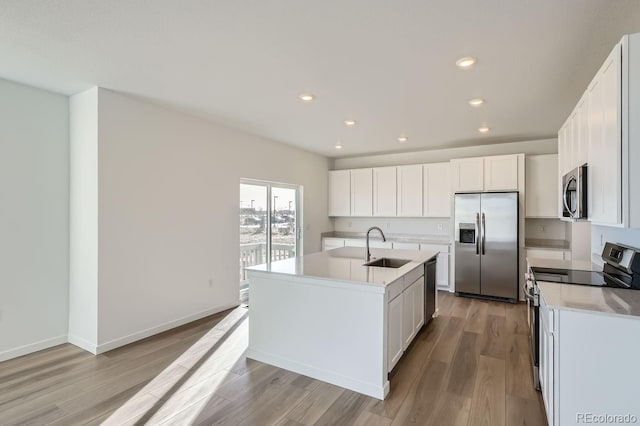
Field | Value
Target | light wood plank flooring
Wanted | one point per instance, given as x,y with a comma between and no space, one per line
469,367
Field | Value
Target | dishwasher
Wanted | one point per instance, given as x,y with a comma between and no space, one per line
430,289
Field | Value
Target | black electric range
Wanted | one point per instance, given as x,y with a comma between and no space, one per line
569,276
621,270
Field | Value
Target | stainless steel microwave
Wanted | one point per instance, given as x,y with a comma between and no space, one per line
574,194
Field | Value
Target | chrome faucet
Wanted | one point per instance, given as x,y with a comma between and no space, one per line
383,239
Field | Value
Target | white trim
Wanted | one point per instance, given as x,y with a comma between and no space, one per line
125,340
83,344
32,347
369,389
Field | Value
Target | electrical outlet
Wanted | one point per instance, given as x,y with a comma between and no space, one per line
349,224
440,226
210,282
388,225
541,228
601,241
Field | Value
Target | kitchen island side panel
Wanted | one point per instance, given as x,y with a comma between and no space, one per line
334,332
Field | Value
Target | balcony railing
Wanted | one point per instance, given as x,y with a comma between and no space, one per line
256,254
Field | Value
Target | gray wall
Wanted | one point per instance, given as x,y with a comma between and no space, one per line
34,219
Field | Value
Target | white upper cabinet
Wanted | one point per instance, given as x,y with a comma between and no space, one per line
467,174
437,190
361,192
497,173
581,133
541,186
410,190
501,173
605,144
339,193
384,191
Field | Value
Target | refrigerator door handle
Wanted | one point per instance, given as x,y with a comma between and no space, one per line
477,234
484,231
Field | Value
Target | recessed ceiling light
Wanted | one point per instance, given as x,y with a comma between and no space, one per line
307,97
466,62
350,123
483,129
339,145
476,102
403,138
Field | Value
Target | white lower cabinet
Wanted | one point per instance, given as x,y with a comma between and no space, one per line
394,335
418,304
405,317
413,310
442,265
362,242
546,365
548,254
583,368
408,332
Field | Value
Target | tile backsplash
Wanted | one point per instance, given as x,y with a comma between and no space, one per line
394,225
546,229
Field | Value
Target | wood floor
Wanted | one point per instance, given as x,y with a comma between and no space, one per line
469,367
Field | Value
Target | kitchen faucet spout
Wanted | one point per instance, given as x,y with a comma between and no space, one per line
368,232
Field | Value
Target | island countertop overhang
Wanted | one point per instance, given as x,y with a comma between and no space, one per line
347,265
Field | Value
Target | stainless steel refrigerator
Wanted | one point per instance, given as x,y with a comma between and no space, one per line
486,244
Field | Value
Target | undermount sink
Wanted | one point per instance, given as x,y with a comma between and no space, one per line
385,262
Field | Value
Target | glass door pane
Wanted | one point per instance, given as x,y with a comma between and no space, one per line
253,231
284,223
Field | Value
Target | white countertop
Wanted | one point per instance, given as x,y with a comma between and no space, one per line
575,265
347,265
605,300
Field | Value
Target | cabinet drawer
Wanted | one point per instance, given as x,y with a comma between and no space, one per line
395,288
413,275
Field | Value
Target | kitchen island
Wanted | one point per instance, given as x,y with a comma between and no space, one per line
328,316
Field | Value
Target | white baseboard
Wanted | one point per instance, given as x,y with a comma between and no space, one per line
369,389
32,347
134,337
83,344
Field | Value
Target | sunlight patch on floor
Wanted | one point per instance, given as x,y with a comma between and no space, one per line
185,386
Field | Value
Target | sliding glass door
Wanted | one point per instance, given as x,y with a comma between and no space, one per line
269,225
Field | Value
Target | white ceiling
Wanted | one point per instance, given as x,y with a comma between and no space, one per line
387,64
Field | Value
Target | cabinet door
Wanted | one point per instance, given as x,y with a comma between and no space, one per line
610,160
384,191
408,330
394,335
571,137
410,191
541,186
442,270
437,190
467,174
501,173
562,151
340,193
581,133
605,144
361,192
418,305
